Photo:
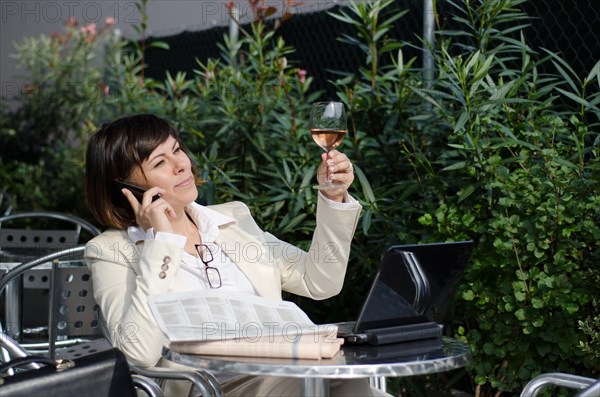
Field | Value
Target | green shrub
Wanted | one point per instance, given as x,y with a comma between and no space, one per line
68,92
502,155
523,161
62,96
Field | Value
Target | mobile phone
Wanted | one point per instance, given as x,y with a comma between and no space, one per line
137,191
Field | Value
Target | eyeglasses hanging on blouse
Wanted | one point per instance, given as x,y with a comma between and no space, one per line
212,273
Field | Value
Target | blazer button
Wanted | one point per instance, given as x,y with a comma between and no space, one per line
162,275
167,259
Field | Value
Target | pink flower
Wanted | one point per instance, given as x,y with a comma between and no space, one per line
302,75
110,21
72,22
89,29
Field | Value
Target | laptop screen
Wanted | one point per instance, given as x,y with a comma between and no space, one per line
415,284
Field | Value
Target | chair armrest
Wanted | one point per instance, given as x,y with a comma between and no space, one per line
9,348
592,391
535,385
147,385
206,383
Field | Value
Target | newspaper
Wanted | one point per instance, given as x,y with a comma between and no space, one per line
228,323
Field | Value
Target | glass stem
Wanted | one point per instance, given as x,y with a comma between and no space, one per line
328,179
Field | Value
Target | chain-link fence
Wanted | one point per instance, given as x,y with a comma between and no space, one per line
571,27
568,27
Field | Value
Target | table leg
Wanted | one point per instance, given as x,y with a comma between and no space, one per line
315,387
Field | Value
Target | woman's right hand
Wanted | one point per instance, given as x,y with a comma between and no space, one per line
151,214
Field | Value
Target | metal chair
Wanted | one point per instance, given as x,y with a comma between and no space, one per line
588,387
72,313
75,324
31,235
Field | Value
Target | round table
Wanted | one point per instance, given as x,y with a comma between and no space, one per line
394,360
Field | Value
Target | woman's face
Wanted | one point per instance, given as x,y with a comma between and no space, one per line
170,168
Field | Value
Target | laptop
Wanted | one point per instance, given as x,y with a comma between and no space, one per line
410,294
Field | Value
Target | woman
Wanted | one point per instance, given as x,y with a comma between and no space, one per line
159,244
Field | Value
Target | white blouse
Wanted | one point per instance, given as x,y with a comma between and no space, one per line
208,222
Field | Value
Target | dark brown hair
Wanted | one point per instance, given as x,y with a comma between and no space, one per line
114,152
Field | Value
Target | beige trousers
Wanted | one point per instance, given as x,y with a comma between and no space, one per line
272,386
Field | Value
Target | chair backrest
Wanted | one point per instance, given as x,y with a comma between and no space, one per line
74,307
28,235
43,239
71,311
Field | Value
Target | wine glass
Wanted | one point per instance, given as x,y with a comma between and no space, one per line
327,128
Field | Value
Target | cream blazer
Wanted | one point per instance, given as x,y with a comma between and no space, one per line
125,273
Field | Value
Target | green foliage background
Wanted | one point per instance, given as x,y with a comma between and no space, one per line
491,150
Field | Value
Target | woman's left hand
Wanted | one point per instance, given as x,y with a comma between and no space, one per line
341,172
